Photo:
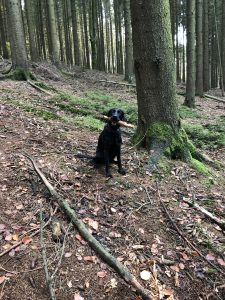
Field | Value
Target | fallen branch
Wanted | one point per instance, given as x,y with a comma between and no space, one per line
218,221
87,236
186,240
39,88
214,98
118,83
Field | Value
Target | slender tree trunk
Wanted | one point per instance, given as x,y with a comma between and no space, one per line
54,54
76,37
128,41
223,41
190,86
5,50
177,41
59,14
31,8
206,83
199,48
86,38
16,33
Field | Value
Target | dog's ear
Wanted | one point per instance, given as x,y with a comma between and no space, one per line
109,114
123,118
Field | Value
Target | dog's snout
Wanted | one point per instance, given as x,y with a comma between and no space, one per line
115,118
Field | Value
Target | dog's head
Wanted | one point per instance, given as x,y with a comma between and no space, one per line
115,115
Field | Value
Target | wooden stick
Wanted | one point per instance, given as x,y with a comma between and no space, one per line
218,221
186,240
118,83
87,236
39,88
121,123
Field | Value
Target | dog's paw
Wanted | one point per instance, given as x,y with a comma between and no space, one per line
109,175
122,171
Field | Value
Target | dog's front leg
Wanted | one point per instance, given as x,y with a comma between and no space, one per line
107,167
120,169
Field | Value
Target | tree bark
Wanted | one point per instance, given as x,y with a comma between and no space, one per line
190,86
199,49
16,34
206,82
158,118
54,53
128,42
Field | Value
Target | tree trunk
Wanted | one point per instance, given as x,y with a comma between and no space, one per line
158,119
190,86
5,50
16,34
199,48
76,37
86,38
128,42
54,53
31,8
223,42
206,83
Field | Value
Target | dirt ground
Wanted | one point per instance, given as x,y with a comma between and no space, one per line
125,213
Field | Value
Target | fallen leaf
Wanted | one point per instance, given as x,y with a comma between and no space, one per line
101,274
68,254
138,247
8,237
90,258
78,297
166,292
69,284
2,279
15,237
210,257
145,275
221,262
26,240
12,253
175,268
2,226
19,207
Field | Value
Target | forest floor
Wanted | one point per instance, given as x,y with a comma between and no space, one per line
124,213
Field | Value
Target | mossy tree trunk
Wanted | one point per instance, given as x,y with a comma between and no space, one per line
158,118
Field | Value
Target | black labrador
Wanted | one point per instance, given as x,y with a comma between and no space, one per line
109,143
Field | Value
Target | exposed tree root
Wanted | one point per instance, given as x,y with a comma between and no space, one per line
94,244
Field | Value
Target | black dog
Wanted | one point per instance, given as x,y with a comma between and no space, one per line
109,142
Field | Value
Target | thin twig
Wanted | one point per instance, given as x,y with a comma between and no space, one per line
185,239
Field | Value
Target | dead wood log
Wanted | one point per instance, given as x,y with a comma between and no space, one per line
108,258
218,221
214,98
118,83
